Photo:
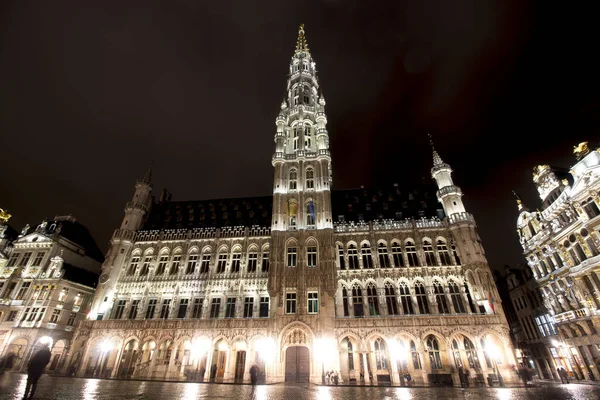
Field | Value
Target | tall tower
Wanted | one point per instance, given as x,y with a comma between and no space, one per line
302,218
136,211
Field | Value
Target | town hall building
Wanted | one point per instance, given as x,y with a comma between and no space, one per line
384,285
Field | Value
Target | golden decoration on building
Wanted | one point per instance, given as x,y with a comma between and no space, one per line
581,150
4,216
301,44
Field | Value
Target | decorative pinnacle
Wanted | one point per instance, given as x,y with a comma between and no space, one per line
301,44
437,160
519,200
148,175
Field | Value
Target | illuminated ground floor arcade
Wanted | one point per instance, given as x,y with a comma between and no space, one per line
416,351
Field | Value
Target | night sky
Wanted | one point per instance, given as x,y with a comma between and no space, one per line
92,92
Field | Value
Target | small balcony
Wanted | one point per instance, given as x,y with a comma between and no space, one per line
571,315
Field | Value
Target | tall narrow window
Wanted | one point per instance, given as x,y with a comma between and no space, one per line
307,132
384,260
205,264
235,262
25,259
264,307
455,254
295,131
165,309
367,258
380,354
429,255
291,256
405,299
390,300
183,306
311,256
55,317
456,296
230,307
215,308
350,354
352,257
197,310
191,265
591,208
133,310
151,308
120,307
71,320
290,303
345,302
372,300
313,302
411,254
265,262
421,298
222,262
133,265
415,355
397,255
456,353
440,298
310,178
23,290
248,307
146,266
357,301
470,299
341,260
433,348
252,261
12,261
37,261
471,354
175,264
310,214
443,253
293,181
162,264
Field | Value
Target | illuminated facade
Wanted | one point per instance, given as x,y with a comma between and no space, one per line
47,280
561,244
389,281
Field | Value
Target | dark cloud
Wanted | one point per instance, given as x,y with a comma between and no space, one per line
92,92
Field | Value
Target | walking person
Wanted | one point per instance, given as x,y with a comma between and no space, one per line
253,376
35,369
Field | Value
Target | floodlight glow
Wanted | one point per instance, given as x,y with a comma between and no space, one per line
105,346
266,349
46,340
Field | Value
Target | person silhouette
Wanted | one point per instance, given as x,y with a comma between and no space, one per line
35,369
253,376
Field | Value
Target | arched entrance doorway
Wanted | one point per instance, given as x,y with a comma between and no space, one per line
56,360
17,347
128,360
297,364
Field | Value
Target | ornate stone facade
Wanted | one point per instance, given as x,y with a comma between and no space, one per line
389,281
561,244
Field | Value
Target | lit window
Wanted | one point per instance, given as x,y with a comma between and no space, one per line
433,348
380,354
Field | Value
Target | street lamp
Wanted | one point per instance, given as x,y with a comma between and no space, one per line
324,349
494,354
105,346
199,348
266,351
399,351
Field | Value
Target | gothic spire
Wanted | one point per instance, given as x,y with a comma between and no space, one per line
301,44
519,201
148,176
437,160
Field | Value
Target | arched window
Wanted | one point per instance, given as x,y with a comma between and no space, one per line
488,360
252,260
440,298
380,354
384,260
350,355
307,130
456,353
421,298
135,261
443,253
416,357
295,132
146,265
397,255
429,255
367,258
357,300
163,261
352,257
310,178
471,354
390,299
236,259
293,181
456,296
411,254
345,302
341,259
175,263
311,254
192,262
470,299
372,299
310,214
405,299
433,349
292,255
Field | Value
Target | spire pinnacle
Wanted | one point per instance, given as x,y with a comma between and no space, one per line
301,44
437,160
519,200
148,176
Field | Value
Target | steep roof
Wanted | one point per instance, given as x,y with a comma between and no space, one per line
79,275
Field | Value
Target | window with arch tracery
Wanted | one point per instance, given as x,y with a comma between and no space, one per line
411,254
162,264
367,258
443,253
429,255
372,300
307,133
357,301
406,299
456,297
292,253
390,299
146,265
440,298
236,259
456,353
252,261
421,296
350,355
380,354
295,132
311,255
416,357
433,349
455,254
341,259
345,302
293,181
352,257
310,214
222,262
310,178
384,260
471,354
397,255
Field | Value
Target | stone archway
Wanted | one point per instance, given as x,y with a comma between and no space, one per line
297,364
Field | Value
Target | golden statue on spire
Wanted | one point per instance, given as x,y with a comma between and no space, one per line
4,216
581,150
301,44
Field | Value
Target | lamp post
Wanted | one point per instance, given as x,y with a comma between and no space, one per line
494,354
105,346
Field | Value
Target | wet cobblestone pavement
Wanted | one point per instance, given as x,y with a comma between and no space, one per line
13,386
